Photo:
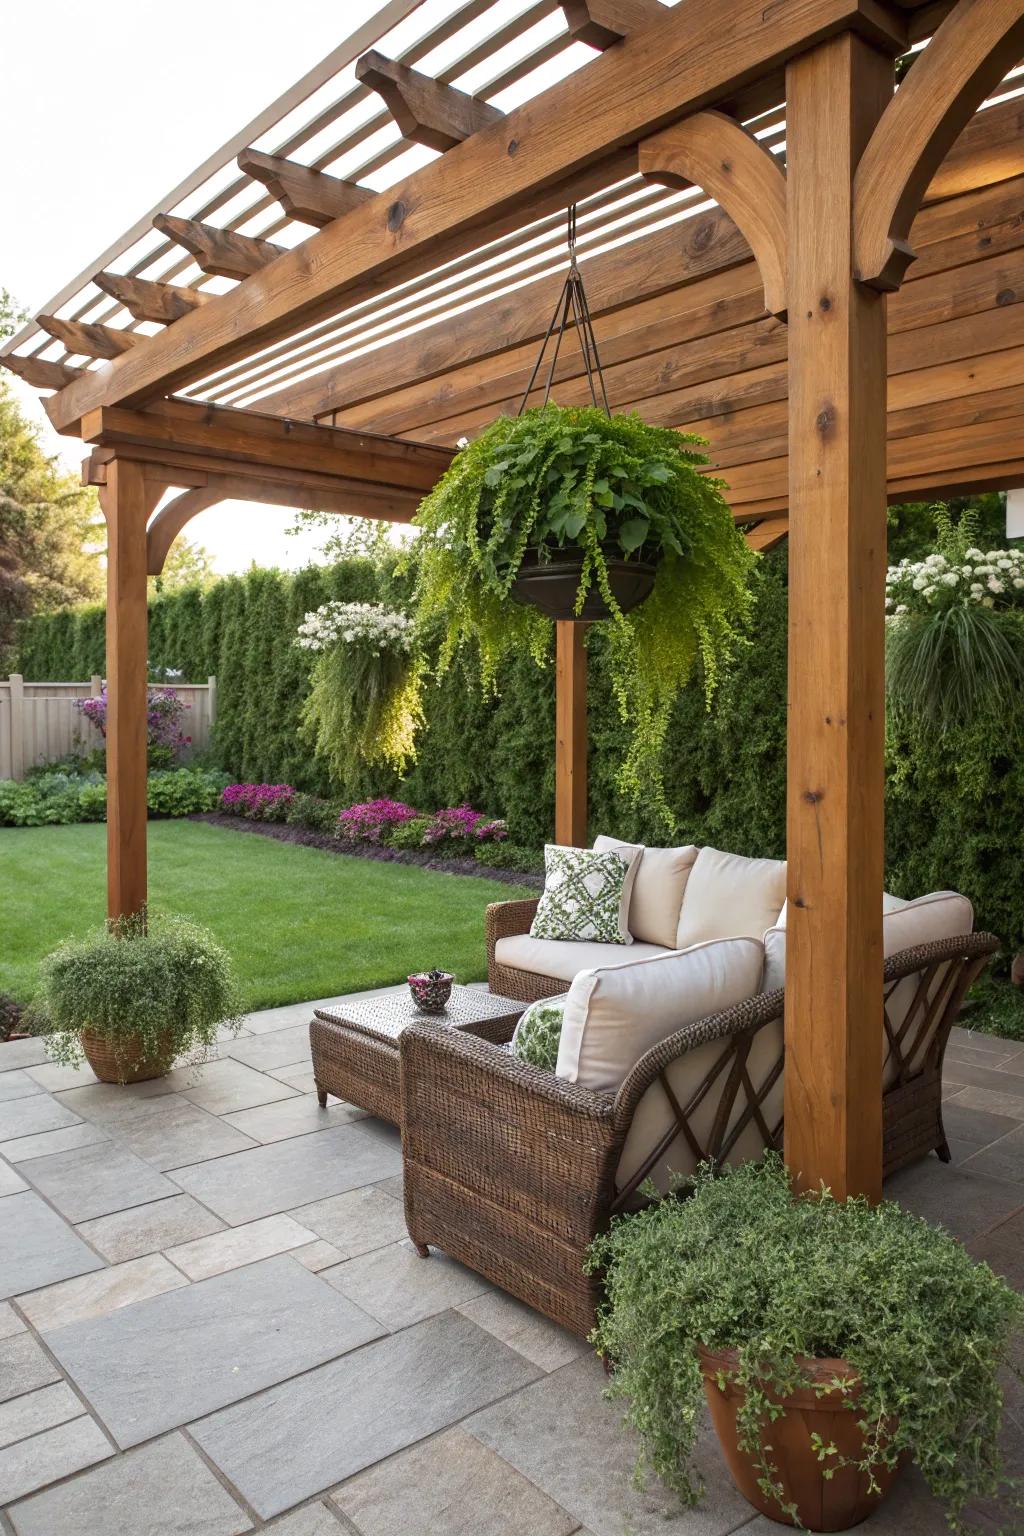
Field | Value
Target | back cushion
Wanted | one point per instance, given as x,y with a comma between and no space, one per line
614,1013
728,895
657,889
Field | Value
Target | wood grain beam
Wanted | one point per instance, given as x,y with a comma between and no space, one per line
570,734
768,533
39,372
146,300
219,252
83,340
712,151
678,64
425,110
966,59
166,524
603,23
309,195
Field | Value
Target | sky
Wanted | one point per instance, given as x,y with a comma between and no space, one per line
108,106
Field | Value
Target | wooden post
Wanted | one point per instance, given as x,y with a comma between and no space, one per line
570,734
835,95
127,501
17,688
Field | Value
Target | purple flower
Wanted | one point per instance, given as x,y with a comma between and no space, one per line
253,800
372,820
164,717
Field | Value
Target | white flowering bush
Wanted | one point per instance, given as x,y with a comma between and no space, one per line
370,624
955,644
993,580
364,696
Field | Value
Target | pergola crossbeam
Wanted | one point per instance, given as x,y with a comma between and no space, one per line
306,194
603,23
219,252
147,300
83,340
426,111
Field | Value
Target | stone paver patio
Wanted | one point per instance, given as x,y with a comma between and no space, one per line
211,1321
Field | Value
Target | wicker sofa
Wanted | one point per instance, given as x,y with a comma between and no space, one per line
513,1170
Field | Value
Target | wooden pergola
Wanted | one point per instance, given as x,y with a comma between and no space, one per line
819,273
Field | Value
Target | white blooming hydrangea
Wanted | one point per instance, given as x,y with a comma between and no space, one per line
371,624
993,578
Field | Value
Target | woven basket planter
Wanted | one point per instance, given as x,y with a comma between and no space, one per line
123,1061
832,1504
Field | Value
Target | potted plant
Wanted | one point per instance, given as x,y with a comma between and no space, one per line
571,513
133,997
833,1340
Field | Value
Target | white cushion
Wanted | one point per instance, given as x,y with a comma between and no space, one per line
774,959
563,959
615,1013
889,904
657,889
727,896
586,894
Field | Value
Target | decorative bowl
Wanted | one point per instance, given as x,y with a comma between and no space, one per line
431,990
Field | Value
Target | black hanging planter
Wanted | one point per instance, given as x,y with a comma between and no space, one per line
552,585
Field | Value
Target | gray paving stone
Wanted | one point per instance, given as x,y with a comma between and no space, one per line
527,1332
93,1181
10,1182
225,1086
282,1048
24,1148
10,1322
26,1117
311,1520
33,1412
236,1246
1003,1250
24,1366
569,1440
300,1077
157,1364
104,1103
164,1489
452,1484
21,1053
965,1203
292,1117
1003,1159
976,1126
974,1076
16,1085
147,1228
399,1287
105,1291
55,1077
367,1405
38,1248
357,1221
286,1174
171,1131
317,1256
31,1464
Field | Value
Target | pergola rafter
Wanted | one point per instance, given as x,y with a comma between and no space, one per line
412,315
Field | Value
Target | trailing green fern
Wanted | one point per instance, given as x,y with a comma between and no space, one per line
615,488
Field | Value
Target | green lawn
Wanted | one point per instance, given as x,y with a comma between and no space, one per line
300,923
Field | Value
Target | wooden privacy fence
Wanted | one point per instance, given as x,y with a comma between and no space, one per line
39,722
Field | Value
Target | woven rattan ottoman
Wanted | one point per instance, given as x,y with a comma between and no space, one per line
355,1045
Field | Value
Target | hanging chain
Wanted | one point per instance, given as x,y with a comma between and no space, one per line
572,301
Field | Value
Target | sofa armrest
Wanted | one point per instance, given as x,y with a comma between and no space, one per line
501,920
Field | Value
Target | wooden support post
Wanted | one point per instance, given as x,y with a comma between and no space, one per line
127,499
835,95
570,734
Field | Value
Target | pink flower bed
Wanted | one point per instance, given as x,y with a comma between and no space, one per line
256,801
374,820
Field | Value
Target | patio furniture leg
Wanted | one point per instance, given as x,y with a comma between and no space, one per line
321,1096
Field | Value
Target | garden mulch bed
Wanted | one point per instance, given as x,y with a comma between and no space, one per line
451,866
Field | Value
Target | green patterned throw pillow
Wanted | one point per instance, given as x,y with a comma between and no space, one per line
586,896
538,1032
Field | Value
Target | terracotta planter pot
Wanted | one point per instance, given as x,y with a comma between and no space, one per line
127,1064
833,1504
552,586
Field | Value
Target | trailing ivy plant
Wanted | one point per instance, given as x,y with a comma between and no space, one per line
364,695
561,478
141,986
745,1264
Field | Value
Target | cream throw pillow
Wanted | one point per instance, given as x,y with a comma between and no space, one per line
727,894
657,889
613,1014
586,896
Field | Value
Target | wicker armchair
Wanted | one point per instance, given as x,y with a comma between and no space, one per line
513,1171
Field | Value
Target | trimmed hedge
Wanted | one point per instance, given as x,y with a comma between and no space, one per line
954,813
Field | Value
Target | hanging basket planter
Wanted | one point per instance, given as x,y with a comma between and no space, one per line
552,585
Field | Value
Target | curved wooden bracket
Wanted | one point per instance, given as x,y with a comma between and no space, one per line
712,151
171,519
966,59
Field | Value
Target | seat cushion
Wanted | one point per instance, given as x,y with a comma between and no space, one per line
615,1013
942,915
658,888
729,896
889,904
562,959
586,895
